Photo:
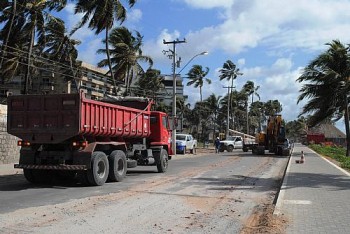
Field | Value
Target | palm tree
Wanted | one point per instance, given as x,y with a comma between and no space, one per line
150,83
101,15
272,107
229,71
250,89
61,48
10,8
13,51
197,78
30,18
327,90
213,104
126,55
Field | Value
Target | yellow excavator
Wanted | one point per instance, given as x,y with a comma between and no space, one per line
274,139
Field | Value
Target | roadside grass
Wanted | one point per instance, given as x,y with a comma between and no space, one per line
334,152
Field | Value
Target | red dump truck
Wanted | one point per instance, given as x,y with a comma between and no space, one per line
96,141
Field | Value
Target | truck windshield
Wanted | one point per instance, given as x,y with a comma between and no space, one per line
180,137
230,138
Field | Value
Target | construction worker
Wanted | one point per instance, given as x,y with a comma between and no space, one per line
217,145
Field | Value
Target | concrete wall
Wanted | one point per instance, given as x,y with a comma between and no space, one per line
9,151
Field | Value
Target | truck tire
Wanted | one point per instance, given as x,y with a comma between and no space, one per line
38,176
245,149
28,174
161,160
230,148
117,166
98,173
184,151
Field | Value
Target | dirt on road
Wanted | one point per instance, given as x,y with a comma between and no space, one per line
233,195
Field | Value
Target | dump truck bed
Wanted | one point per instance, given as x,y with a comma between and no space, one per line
57,117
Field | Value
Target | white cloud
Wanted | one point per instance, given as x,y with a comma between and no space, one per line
135,15
88,52
287,24
209,4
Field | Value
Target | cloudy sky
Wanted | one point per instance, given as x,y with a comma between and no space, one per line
269,40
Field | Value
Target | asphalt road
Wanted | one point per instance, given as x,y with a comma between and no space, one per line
215,193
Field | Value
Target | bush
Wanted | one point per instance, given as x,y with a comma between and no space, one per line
335,152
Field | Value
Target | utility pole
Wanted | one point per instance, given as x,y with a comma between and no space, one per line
228,109
173,52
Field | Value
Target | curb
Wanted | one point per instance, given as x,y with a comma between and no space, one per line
277,210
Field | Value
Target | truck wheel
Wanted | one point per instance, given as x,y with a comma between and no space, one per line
117,166
245,149
28,174
38,176
161,160
229,148
184,151
98,173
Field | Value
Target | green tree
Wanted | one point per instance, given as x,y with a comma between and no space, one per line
272,107
327,86
150,83
229,71
101,15
29,19
126,55
213,105
60,48
8,14
197,78
250,90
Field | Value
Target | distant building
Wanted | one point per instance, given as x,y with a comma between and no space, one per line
93,80
331,133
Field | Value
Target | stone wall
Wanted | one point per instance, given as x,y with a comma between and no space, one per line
9,151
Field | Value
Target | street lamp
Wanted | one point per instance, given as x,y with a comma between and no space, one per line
174,97
203,53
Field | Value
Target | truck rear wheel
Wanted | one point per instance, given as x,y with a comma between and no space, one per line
184,151
161,160
98,173
38,176
117,166
245,149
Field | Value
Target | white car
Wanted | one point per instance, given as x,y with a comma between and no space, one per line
185,142
232,142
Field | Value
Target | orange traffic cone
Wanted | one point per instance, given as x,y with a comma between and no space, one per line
302,158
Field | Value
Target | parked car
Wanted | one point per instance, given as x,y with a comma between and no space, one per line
185,142
232,142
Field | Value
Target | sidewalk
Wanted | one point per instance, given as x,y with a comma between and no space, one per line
7,169
315,196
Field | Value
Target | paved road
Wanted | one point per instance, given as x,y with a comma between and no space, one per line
315,195
214,193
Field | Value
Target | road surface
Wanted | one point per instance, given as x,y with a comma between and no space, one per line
203,193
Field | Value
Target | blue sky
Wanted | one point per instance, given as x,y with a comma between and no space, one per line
269,40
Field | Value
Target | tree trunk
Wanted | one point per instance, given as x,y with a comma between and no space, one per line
347,128
110,63
200,92
27,74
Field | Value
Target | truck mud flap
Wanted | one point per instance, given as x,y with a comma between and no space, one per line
52,167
